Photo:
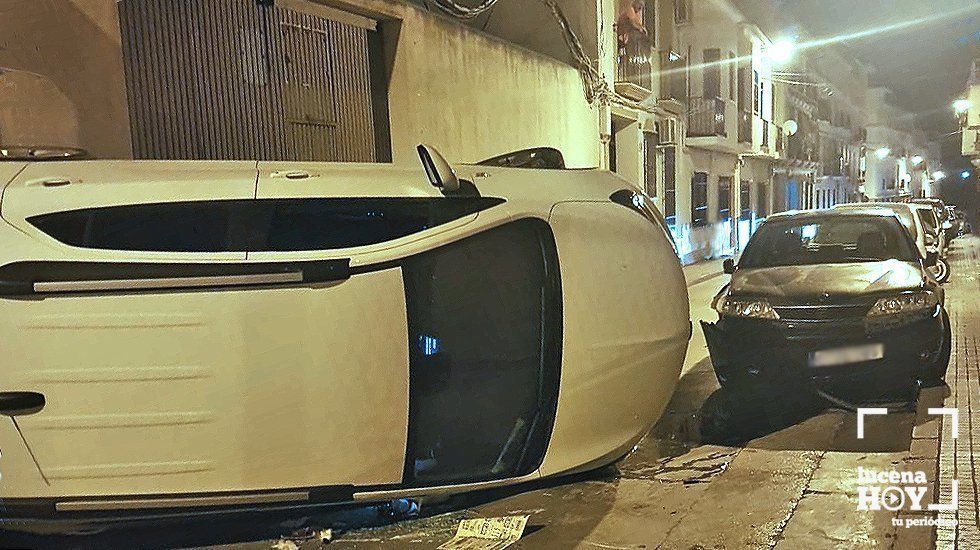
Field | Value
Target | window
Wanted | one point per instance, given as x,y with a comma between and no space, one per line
670,186
682,11
699,199
756,92
650,20
712,73
744,81
731,76
826,240
255,225
484,326
762,201
745,201
724,198
650,154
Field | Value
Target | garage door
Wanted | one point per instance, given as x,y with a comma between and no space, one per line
239,79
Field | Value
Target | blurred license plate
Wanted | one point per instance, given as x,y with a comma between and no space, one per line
850,354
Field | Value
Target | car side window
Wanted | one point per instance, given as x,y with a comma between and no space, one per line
265,225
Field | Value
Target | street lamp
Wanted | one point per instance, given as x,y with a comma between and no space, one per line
961,106
938,175
965,174
883,153
780,51
917,160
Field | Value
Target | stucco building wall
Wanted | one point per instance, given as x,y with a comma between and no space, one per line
61,76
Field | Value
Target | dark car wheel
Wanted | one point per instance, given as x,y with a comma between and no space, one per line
937,370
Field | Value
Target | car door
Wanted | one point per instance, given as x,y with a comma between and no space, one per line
143,385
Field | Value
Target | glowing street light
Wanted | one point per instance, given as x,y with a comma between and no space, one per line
965,174
780,51
961,106
917,160
883,153
938,175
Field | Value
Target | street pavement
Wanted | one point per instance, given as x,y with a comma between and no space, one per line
710,475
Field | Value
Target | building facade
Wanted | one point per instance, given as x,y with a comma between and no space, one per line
682,98
969,115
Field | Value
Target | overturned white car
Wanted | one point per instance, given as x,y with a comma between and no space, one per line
186,337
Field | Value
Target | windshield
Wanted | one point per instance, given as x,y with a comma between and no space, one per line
827,240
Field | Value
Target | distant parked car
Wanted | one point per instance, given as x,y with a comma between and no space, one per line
837,301
192,337
915,224
943,215
935,238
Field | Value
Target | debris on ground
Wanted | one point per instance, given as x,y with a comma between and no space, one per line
487,533
323,536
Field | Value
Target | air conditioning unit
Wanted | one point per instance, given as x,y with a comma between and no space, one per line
667,130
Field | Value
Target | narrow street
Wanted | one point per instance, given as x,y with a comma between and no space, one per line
707,478
709,475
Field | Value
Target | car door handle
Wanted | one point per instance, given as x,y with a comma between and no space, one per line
55,182
19,403
291,174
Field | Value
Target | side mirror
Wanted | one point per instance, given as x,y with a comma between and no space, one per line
728,266
439,172
932,258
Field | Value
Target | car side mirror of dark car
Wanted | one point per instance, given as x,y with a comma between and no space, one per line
932,258
728,266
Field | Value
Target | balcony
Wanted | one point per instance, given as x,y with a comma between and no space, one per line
745,127
634,65
706,117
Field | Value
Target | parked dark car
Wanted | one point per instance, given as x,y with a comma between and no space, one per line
838,301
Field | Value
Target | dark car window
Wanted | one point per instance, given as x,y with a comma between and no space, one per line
928,219
825,240
255,225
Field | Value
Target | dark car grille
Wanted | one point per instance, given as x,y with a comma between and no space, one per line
830,312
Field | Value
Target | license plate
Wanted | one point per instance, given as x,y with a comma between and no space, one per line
850,354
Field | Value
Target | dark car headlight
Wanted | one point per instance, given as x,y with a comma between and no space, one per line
750,308
903,304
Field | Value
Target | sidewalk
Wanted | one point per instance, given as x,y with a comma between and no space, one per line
959,452
702,271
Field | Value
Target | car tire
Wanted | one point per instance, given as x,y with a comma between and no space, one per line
941,270
937,370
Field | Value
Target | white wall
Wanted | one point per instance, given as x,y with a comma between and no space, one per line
474,96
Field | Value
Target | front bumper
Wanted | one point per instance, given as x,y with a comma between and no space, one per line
764,354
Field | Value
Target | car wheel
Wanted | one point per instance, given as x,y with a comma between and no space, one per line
941,270
937,371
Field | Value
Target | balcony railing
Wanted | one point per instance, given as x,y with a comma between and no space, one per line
745,127
634,62
706,117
